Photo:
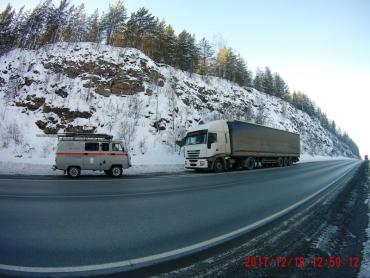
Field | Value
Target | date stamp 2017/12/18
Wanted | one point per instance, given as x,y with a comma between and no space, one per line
253,262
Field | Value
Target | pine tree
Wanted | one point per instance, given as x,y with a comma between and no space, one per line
93,30
258,80
152,39
76,25
157,43
119,37
280,88
169,46
231,64
333,126
248,77
34,26
186,52
114,19
7,37
141,30
79,23
242,75
268,82
205,54
18,26
56,21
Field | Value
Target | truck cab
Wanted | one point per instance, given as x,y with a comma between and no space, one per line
205,143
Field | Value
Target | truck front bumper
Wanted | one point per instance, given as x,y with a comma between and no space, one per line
196,163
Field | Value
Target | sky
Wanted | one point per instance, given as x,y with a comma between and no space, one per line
321,48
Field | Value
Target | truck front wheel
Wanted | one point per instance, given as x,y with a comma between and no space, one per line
218,166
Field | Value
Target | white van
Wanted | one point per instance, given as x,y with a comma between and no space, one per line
82,151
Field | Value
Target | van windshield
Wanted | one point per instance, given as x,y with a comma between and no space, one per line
196,137
116,147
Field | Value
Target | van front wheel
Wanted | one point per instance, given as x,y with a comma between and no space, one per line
116,171
73,171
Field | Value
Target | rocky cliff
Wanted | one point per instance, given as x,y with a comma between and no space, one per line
98,88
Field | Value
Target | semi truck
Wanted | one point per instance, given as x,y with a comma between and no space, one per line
222,145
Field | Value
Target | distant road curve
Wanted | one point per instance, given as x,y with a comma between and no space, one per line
58,226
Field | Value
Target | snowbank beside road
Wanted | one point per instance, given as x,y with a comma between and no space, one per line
141,165
309,158
14,168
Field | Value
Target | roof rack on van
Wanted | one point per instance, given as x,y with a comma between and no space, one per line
83,136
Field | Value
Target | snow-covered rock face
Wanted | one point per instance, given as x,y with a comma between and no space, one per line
94,87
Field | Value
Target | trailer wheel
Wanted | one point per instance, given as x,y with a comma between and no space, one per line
73,171
218,166
250,163
280,162
290,162
116,171
286,163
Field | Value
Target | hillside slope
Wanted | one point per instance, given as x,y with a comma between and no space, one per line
94,87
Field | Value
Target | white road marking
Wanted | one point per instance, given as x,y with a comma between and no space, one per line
148,260
167,175
194,188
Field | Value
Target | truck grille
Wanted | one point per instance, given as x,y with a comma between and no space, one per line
193,153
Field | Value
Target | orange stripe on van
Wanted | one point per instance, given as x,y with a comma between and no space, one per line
90,154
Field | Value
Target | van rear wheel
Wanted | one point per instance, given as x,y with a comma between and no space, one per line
116,171
73,171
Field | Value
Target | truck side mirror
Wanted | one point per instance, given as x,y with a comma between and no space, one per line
209,145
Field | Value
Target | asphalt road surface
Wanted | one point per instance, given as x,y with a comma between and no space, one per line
104,224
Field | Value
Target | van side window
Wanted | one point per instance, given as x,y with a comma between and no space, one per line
116,147
91,146
105,147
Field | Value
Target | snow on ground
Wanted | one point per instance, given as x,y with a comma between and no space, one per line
14,168
155,160
141,165
309,158
365,263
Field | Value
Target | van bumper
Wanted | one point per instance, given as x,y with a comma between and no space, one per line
196,163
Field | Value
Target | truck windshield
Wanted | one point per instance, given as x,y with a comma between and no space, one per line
196,137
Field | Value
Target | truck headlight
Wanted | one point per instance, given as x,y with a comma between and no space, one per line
202,163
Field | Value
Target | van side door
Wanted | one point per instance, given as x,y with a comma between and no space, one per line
105,158
91,156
